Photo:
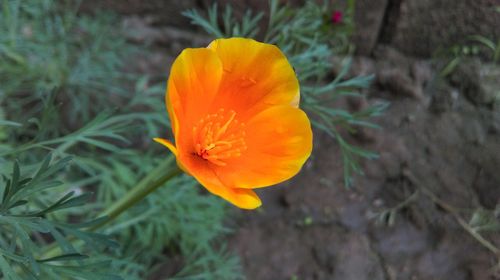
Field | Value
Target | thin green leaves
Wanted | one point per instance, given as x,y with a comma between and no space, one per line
247,27
23,225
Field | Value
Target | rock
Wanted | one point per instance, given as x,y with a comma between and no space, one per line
398,83
419,27
478,81
369,16
399,74
389,55
422,72
444,98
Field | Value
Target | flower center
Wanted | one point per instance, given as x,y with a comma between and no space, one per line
218,137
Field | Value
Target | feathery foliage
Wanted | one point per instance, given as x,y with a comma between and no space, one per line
63,91
27,226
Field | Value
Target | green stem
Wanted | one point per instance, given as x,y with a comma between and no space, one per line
155,179
147,185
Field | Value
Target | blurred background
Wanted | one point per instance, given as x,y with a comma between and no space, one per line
404,179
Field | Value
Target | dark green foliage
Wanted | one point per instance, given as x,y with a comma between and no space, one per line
26,228
65,89
59,61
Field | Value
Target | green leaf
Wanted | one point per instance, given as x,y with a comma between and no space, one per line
7,271
65,257
483,40
18,203
9,123
450,67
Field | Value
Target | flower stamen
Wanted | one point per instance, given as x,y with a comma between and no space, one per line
219,137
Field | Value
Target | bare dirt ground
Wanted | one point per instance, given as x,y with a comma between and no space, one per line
439,154
434,141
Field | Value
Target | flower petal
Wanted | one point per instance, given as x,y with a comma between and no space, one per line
255,82
193,83
242,198
256,76
167,144
203,172
279,141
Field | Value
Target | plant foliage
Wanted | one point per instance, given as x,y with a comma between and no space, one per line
64,93
26,227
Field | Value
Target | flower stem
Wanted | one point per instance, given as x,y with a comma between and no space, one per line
159,176
155,179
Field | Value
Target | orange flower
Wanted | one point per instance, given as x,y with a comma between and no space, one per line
235,118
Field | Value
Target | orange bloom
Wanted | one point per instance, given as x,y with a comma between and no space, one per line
235,118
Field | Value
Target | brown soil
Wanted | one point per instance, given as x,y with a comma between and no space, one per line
314,228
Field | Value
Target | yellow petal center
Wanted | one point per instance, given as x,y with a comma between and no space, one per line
218,137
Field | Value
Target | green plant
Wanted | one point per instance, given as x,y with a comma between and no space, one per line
27,224
64,92
456,54
489,44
